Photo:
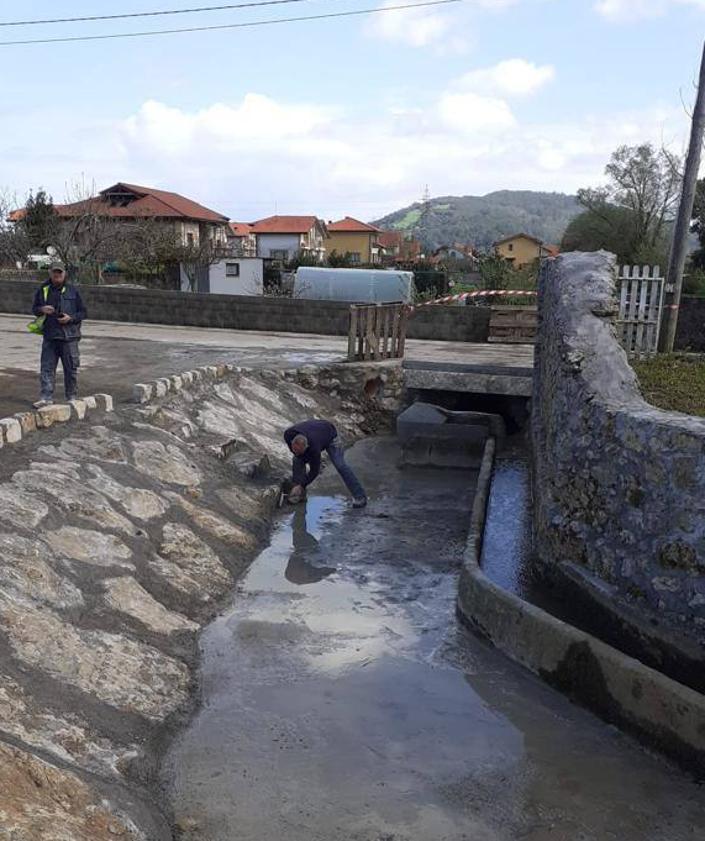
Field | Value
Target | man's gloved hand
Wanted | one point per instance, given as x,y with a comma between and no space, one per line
297,494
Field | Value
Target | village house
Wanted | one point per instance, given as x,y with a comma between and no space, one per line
282,238
241,239
395,247
355,239
522,250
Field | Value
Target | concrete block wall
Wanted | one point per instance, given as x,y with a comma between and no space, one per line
236,312
619,484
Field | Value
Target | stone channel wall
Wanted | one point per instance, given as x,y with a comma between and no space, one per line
239,312
121,536
619,484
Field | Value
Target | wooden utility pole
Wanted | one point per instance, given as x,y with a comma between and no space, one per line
679,246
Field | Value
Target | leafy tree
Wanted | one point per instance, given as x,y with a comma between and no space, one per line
40,221
495,272
698,225
339,261
14,245
640,198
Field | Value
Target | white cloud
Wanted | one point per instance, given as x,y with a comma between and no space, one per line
514,77
629,10
245,157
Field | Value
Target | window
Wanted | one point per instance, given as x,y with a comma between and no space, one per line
232,270
189,239
354,256
279,254
510,247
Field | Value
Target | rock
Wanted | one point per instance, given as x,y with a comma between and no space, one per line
104,402
142,392
187,378
66,737
21,509
75,498
215,525
90,547
78,409
27,422
56,413
161,388
138,502
125,674
26,570
91,402
10,430
39,801
189,565
126,596
176,382
166,464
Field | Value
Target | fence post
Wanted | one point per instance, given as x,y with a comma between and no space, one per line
352,334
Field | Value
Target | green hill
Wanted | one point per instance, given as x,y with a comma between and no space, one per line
481,220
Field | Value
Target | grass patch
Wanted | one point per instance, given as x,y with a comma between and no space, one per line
674,381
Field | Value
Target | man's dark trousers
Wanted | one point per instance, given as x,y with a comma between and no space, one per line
54,350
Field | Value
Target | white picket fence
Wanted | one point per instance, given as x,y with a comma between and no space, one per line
641,291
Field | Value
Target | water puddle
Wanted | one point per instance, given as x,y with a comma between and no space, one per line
341,699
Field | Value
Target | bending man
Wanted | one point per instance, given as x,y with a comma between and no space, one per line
307,440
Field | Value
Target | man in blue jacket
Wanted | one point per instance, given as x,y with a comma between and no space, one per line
307,440
61,303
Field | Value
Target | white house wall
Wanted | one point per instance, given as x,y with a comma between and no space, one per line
249,282
266,243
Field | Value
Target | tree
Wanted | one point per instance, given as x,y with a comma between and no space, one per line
14,245
339,261
641,196
495,271
612,230
698,225
39,221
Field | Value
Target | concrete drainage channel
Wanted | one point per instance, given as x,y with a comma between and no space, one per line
334,695
623,691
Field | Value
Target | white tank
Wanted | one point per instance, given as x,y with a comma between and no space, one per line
358,286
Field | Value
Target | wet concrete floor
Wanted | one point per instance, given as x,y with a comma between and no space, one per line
343,702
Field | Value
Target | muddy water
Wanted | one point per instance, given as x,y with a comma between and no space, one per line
341,700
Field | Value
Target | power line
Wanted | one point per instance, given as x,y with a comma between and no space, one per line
74,38
159,13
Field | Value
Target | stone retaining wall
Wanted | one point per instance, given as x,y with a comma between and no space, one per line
236,312
619,484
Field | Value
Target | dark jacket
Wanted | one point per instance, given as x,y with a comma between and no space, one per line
66,300
320,435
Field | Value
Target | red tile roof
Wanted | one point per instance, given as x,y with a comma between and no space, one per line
390,239
241,229
284,225
350,225
147,203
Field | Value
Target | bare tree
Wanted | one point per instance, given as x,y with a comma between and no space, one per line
14,243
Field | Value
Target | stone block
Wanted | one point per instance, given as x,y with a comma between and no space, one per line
78,409
142,392
197,375
56,413
210,372
187,378
221,371
90,402
160,388
10,430
27,421
104,402
176,383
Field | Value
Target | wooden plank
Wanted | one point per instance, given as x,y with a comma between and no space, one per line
386,351
623,307
639,342
352,334
395,332
403,319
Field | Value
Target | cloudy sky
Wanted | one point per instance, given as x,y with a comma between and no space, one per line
353,115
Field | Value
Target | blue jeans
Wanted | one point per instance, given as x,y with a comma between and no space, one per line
54,350
336,452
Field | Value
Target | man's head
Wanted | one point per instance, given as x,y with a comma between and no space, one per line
299,445
57,275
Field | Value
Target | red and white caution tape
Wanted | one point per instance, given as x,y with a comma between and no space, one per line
480,293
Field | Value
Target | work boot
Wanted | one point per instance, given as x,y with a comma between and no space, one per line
360,502
40,404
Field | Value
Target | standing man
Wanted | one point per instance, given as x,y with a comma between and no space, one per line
307,440
61,303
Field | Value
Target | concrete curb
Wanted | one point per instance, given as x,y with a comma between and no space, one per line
13,429
664,714
143,393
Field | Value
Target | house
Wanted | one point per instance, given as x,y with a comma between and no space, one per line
522,250
356,239
241,239
282,238
395,247
125,203
457,251
230,276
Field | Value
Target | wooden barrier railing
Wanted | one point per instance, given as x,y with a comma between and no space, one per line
377,331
